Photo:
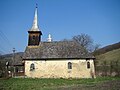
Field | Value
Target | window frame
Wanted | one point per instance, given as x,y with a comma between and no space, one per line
33,37
32,67
88,65
69,65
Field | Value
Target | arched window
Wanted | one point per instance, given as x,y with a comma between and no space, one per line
69,65
32,67
88,64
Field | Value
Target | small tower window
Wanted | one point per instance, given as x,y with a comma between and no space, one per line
69,65
32,67
33,37
88,64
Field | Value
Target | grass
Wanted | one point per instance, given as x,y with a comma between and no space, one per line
52,84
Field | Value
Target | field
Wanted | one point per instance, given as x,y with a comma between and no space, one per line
101,83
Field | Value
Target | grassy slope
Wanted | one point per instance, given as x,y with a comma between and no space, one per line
59,84
109,56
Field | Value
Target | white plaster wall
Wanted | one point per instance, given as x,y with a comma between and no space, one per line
59,69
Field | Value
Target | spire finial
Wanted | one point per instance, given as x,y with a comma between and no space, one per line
49,38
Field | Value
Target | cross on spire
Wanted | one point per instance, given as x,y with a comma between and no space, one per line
36,5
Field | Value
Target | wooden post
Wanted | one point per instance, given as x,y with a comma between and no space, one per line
14,62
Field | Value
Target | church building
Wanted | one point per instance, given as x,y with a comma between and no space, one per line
55,59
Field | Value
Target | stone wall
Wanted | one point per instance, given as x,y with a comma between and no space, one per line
59,69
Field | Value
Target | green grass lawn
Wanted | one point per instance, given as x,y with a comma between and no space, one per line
56,84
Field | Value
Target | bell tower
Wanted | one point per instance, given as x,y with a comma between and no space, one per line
34,37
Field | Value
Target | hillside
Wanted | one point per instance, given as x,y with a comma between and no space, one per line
109,56
108,53
108,48
9,58
108,64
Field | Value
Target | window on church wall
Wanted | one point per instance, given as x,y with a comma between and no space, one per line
69,65
32,67
88,65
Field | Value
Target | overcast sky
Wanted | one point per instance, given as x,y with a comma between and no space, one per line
63,19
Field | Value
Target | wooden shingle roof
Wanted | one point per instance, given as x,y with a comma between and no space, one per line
56,50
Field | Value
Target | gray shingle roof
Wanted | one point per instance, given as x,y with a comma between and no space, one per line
56,50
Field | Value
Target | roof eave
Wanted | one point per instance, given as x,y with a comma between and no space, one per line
87,58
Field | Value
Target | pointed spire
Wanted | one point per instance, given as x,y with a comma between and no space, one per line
35,21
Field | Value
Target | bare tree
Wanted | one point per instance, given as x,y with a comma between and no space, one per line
83,39
86,41
95,48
